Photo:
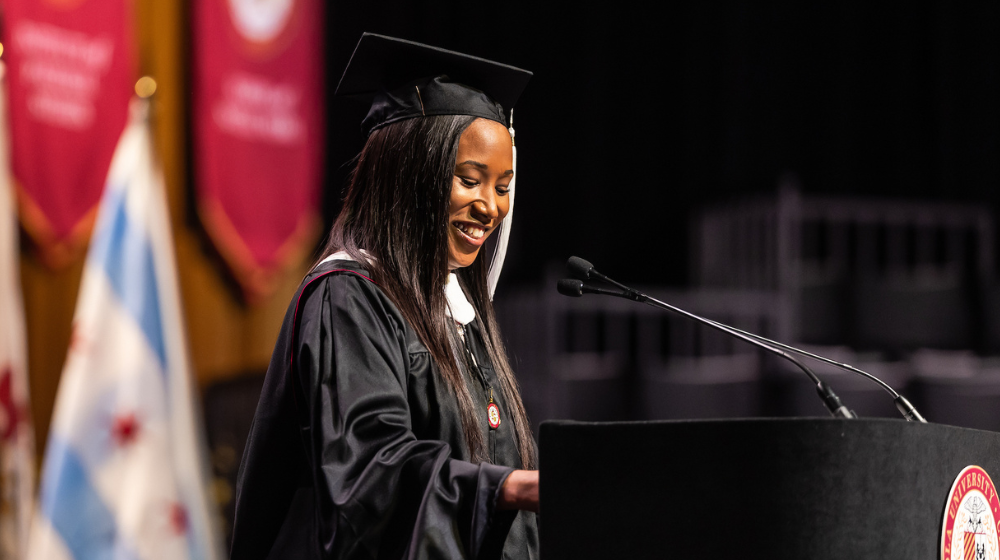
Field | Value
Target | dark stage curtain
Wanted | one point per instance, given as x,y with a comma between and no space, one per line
635,117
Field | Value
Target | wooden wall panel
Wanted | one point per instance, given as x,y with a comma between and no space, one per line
49,301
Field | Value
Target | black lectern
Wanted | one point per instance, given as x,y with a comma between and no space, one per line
761,488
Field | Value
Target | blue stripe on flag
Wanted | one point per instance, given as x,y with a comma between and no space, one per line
122,247
74,508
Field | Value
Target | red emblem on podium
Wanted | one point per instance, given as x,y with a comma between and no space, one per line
969,531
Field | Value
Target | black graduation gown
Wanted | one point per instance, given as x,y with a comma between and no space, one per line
357,448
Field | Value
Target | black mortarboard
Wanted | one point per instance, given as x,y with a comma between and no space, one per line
407,79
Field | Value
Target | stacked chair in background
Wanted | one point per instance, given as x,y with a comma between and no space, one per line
604,359
688,370
903,289
895,287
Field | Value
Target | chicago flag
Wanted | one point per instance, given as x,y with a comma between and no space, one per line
124,475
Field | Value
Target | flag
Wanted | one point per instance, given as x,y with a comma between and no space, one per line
17,439
124,474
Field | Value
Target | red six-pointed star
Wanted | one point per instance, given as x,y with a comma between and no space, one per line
178,518
125,429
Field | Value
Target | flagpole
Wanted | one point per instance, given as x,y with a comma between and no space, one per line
17,437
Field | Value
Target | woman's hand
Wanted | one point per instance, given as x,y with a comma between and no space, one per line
519,491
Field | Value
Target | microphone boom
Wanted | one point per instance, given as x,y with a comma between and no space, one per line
583,270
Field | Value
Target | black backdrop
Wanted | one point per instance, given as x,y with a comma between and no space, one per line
635,118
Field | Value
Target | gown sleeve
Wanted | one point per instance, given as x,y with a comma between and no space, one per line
381,491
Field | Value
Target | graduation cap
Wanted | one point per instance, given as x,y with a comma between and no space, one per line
404,79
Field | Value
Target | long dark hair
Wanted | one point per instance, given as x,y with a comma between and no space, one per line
395,221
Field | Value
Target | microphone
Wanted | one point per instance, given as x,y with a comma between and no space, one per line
583,270
579,268
570,287
576,288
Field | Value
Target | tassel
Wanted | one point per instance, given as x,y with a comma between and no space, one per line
496,265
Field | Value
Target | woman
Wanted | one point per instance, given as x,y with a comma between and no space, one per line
390,424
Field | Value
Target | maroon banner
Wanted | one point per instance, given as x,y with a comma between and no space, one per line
71,71
258,132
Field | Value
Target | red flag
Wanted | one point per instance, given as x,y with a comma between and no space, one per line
71,69
258,131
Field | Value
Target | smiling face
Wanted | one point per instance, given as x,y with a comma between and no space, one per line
479,197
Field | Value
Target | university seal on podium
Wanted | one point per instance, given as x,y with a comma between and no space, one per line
971,515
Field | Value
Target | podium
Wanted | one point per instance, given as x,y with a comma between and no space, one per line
756,488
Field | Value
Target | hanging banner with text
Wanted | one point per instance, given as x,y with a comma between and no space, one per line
258,127
70,68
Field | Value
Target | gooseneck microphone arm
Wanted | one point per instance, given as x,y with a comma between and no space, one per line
584,270
577,288
902,404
